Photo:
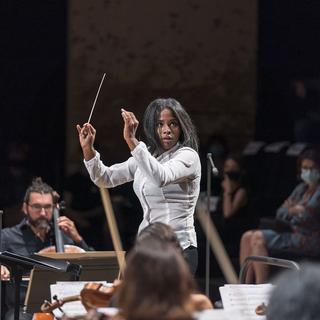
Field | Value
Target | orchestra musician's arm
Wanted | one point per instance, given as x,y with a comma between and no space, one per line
69,229
5,273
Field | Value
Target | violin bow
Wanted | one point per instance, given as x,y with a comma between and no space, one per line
95,100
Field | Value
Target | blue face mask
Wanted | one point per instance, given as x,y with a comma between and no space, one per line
310,176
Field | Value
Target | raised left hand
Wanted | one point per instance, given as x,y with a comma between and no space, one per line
130,128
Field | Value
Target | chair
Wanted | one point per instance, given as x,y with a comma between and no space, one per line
261,259
284,263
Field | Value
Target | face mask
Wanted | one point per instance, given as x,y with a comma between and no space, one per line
234,175
310,176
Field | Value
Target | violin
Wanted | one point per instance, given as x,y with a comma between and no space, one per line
93,295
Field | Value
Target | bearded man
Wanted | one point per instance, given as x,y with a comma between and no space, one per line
35,232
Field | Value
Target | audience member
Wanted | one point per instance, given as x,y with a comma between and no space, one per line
296,295
232,215
299,217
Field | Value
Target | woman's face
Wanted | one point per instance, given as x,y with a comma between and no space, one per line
308,164
309,172
230,165
168,129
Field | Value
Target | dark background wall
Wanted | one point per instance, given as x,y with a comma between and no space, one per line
32,83
288,50
203,53
207,69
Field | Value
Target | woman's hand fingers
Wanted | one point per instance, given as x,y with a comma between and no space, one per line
79,129
69,228
129,118
130,127
87,135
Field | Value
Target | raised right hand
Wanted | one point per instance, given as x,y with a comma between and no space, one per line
87,135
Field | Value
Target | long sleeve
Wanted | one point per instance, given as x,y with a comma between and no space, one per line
184,164
283,212
310,217
109,177
82,244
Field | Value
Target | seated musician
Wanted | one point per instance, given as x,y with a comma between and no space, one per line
163,233
35,233
159,248
157,284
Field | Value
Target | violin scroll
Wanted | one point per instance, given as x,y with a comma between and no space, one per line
48,306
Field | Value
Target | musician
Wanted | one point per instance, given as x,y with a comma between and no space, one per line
35,231
166,172
295,295
163,234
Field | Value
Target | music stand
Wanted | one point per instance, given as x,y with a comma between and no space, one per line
19,265
96,266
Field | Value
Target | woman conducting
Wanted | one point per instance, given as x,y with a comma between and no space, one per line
166,171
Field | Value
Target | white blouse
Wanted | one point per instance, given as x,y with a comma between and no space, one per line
167,187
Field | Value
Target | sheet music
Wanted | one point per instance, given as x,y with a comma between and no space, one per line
216,314
64,289
108,311
245,298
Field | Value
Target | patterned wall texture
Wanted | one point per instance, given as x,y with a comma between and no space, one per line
202,52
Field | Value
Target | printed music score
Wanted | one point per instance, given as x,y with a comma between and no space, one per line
63,289
245,298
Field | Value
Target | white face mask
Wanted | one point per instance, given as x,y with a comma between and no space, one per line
310,176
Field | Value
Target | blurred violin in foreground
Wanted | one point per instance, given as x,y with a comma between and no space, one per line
93,295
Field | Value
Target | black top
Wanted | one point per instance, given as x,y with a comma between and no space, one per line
20,239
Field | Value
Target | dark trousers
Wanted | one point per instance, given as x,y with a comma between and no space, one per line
191,256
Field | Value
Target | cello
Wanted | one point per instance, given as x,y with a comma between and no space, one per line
59,246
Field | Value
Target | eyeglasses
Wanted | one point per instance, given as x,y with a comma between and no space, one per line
39,207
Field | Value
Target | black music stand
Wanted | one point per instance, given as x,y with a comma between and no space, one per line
19,265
